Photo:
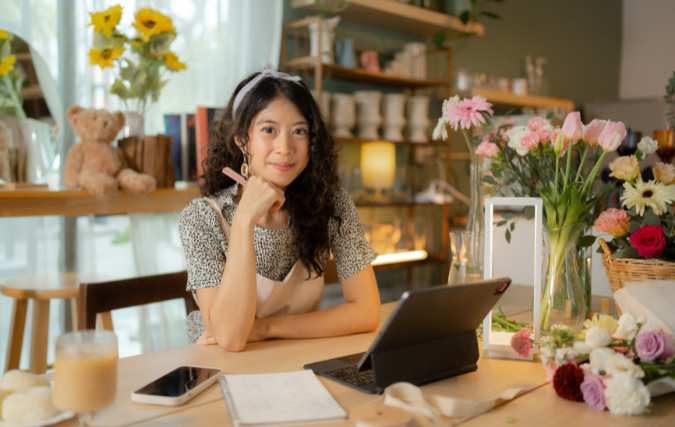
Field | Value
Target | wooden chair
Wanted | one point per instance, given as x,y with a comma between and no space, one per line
330,272
41,289
103,297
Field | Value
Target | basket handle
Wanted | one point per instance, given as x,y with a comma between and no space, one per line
604,247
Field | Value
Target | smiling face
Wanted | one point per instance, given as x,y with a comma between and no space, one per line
278,144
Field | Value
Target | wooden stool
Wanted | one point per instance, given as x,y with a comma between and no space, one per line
41,288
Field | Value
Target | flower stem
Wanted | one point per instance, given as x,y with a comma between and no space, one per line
472,153
18,108
581,165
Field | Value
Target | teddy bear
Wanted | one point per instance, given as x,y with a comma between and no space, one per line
93,163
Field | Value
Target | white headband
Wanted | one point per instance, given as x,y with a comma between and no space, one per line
268,71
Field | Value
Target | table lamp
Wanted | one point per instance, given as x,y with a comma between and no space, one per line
378,166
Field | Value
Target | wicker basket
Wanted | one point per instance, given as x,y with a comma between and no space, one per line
622,270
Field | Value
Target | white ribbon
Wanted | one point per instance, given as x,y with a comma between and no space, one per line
427,410
268,71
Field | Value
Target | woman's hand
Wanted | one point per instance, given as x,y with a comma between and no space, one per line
260,196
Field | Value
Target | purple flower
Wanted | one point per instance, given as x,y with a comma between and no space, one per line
593,390
652,345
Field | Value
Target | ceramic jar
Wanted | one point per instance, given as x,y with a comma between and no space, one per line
327,35
343,116
418,118
369,118
394,121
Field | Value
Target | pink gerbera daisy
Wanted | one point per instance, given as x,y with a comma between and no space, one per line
467,112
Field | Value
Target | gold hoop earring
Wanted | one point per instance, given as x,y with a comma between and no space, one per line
244,167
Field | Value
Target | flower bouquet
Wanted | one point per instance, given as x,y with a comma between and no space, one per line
10,80
617,365
540,160
140,78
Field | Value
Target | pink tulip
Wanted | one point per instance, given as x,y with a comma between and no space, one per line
592,131
611,136
572,128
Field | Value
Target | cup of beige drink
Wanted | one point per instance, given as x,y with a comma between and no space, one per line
85,372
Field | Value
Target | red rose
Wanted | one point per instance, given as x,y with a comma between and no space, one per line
650,241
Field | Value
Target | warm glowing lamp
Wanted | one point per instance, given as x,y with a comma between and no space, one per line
378,166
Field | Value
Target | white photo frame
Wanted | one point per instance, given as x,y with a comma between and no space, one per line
499,343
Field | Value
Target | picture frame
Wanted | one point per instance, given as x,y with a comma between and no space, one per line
498,344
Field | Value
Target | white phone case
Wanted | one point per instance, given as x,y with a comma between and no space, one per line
180,400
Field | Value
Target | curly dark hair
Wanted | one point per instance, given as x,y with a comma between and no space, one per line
310,198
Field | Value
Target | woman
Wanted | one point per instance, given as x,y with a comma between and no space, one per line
256,254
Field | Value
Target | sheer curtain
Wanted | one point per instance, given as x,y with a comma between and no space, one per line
221,42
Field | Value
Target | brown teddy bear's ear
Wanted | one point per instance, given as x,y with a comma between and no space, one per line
120,118
72,114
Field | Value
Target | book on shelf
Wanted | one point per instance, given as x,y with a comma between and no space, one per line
183,151
204,118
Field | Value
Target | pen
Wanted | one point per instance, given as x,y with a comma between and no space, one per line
235,176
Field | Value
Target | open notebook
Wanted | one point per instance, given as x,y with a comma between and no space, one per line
278,399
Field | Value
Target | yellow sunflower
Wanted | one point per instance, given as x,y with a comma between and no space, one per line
107,20
652,194
3,34
172,62
150,22
104,58
7,65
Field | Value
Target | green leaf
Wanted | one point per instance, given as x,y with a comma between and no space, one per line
513,225
508,113
549,115
497,173
489,179
100,41
529,212
651,218
508,236
630,253
670,209
6,49
465,16
509,215
633,226
120,90
500,223
586,241
489,15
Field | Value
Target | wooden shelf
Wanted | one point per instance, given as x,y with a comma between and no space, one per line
32,92
79,202
399,16
506,99
394,204
358,141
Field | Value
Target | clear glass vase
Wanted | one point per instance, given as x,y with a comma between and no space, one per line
584,268
563,300
476,220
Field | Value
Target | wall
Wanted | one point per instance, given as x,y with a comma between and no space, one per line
581,40
647,60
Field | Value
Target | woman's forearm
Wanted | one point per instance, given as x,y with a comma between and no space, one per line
344,319
232,311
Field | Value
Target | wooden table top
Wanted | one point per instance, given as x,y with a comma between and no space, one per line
47,286
79,202
491,379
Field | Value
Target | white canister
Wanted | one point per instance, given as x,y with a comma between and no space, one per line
368,115
419,59
519,86
343,116
406,60
327,35
393,106
418,118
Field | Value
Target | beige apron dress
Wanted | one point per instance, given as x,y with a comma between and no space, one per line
293,295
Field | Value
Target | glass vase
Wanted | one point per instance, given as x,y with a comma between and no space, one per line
476,220
584,268
563,299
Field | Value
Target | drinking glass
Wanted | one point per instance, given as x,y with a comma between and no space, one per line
467,257
85,372
666,145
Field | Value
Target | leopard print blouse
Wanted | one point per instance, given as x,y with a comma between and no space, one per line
205,245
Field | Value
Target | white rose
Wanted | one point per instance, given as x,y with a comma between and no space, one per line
647,146
626,395
619,364
596,337
598,358
581,347
515,135
627,328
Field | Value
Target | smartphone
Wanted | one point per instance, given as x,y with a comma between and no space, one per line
178,386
